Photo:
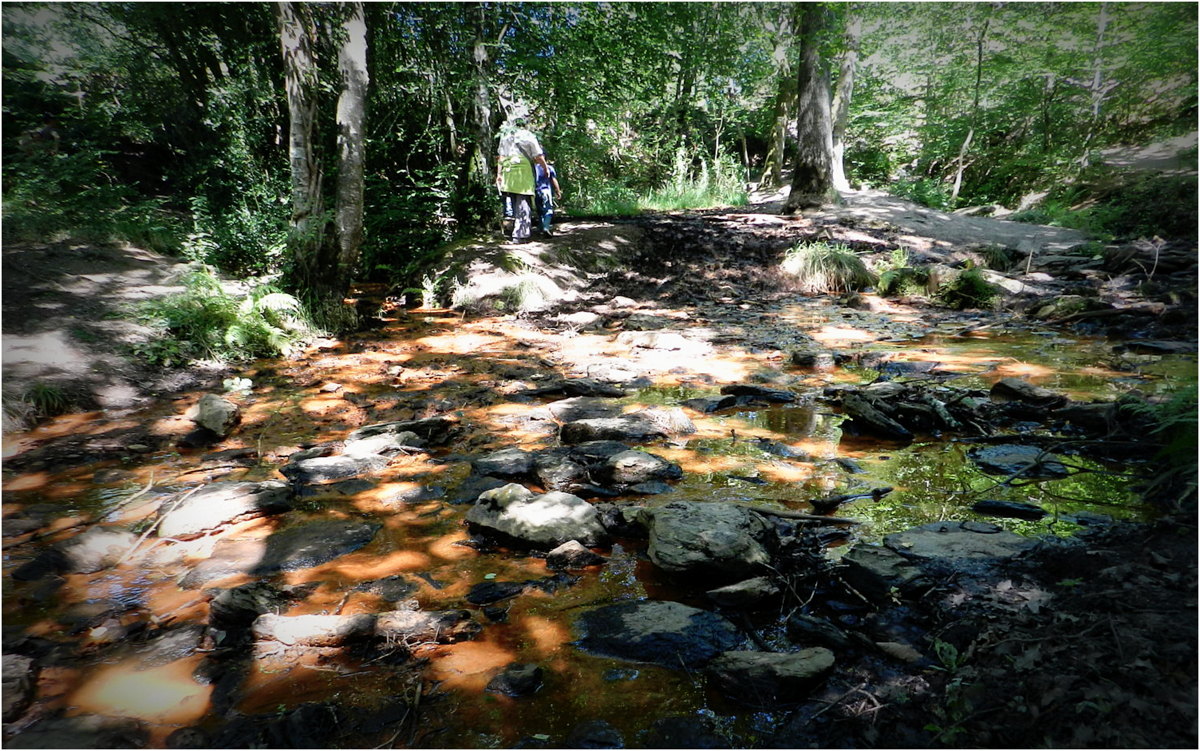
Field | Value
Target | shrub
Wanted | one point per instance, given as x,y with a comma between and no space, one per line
819,267
206,322
904,281
966,289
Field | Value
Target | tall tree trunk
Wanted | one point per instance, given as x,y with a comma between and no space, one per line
785,97
1098,86
481,170
306,235
841,99
812,179
351,120
980,43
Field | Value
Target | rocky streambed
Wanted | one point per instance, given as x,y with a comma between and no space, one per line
696,520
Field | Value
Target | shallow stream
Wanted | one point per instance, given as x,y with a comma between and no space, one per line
437,364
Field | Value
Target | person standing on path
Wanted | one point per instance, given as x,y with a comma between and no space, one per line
519,151
547,191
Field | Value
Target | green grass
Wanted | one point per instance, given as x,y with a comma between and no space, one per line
820,267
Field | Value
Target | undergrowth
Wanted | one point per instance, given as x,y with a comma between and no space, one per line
205,322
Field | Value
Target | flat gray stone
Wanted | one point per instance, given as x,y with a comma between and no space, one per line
764,679
666,633
959,540
222,503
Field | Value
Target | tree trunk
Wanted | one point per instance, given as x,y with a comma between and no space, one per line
481,168
785,99
980,40
351,120
1098,86
297,35
841,100
812,179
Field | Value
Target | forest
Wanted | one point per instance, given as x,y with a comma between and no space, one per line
846,398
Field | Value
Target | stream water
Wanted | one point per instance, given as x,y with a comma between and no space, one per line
430,366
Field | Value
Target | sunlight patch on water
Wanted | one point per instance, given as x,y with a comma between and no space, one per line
166,694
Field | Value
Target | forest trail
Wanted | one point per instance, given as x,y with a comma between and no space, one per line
64,305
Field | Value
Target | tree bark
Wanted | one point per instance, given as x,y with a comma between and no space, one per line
785,99
297,35
841,100
351,121
812,179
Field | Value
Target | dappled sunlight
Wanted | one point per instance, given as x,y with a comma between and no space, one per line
447,549
546,636
166,694
373,566
842,336
1017,369
468,666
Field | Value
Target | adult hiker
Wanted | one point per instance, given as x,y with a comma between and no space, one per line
519,151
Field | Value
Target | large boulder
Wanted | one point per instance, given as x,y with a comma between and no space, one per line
511,463
719,539
20,679
764,679
542,521
667,633
219,504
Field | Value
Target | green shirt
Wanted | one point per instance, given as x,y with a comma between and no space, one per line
518,149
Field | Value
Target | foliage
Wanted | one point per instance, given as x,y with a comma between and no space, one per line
904,281
207,322
966,289
819,267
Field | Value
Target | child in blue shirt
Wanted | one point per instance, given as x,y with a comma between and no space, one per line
547,181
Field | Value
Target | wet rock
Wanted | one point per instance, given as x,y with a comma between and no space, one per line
1009,509
510,464
419,494
390,588
774,396
684,732
650,488
221,503
1063,306
397,626
96,549
572,554
19,682
544,521
744,593
1014,389
780,449
765,679
1097,417
435,430
875,571
384,444
488,592
327,469
189,737
959,540
1031,462
711,538
663,632
622,521
595,734
578,387
583,408
1150,347
629,428
809,630
474,486
817,361
632,467
216,414
671,419
518,679
238,607
867,416
710,404
83,731
290,549
556,471
46,563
